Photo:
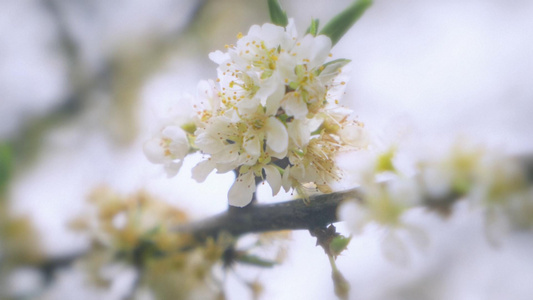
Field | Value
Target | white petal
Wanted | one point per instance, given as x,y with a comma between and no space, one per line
354,214
276,135
274,100
418,235
179,146
173,132
207,96
241,192
354,135
273,178
226,167
202,169
248,106
294,106
172,168
255,30
291,29
154,151
272,35
219,57
272,153
228,155
320,50
268,86
299,133
253,146
286,180
394,249
208,143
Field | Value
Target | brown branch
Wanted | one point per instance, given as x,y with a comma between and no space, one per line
289,215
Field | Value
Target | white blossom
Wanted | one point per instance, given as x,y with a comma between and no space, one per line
168,148
275,99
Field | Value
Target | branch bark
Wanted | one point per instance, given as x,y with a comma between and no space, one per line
289,215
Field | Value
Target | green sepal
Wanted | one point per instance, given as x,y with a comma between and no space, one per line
256,261
266,74
385,163
283,118
318,130
340,24
277,14
339,244
313,28
189,127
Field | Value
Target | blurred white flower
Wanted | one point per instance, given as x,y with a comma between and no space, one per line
168,148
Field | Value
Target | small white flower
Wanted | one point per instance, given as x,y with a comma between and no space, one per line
169,148
353,134
207,101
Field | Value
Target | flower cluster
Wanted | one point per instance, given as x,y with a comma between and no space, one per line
138,232
489,181
272,114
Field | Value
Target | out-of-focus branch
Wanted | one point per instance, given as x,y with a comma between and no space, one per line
296,214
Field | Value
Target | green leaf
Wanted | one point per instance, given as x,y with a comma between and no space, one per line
277,14
6,166
313,28
340,24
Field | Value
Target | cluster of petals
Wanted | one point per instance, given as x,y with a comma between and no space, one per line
489,181
272,114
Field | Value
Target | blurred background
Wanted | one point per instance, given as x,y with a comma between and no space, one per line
80,80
